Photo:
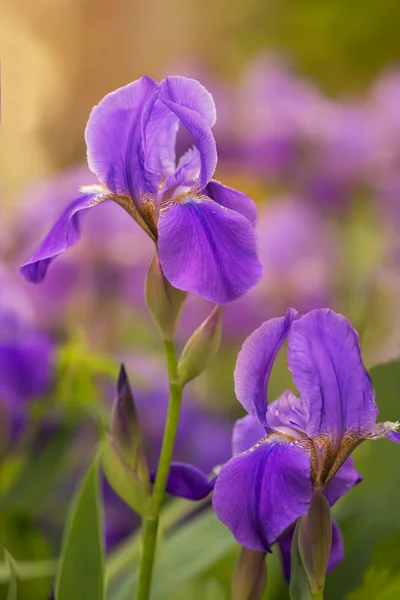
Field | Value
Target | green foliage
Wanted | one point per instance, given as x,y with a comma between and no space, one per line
184,555
81,570
23,539
79,370
35,479
299,588
12,590
382,579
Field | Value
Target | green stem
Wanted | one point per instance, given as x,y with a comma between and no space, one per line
150,522
318,595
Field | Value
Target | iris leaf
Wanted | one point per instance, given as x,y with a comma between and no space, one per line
12,589
81,569
185,554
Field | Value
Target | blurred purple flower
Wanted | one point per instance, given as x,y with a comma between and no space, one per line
276,113
285,450
25,356
130,139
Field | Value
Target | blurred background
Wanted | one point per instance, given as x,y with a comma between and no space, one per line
308,104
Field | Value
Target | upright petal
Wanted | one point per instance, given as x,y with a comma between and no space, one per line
258,494
114,139
191,94
346,478
337,550
207,250
160,139
231,198
254,364
325,360
247,432
195,108
64,234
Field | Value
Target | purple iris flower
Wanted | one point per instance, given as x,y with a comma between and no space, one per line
204,231
283,451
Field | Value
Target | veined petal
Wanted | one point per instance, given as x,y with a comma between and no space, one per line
207,250
346,478
336,555
195,108
160,139
231,198
247,432
254,364
191,94
258,494
65,233
325,359
114,139
187,481
287,411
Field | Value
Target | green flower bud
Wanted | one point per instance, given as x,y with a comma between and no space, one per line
315,540
125,428
250,577
165,303
201,348
124,481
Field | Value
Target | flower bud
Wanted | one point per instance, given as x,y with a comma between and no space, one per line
125,428
201,348
124,481
315,540
165,303
250,577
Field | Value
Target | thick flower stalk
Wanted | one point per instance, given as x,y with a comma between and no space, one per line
203,230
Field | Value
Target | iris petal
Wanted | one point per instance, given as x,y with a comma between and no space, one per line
255,361
287,411
346,478
114,139
187,481
258,494
64,234
325,360
247,432
208,250
233,199
195,108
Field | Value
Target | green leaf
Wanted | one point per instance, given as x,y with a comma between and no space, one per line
122,478
12,590
185,554
299,588
29,569
81,570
